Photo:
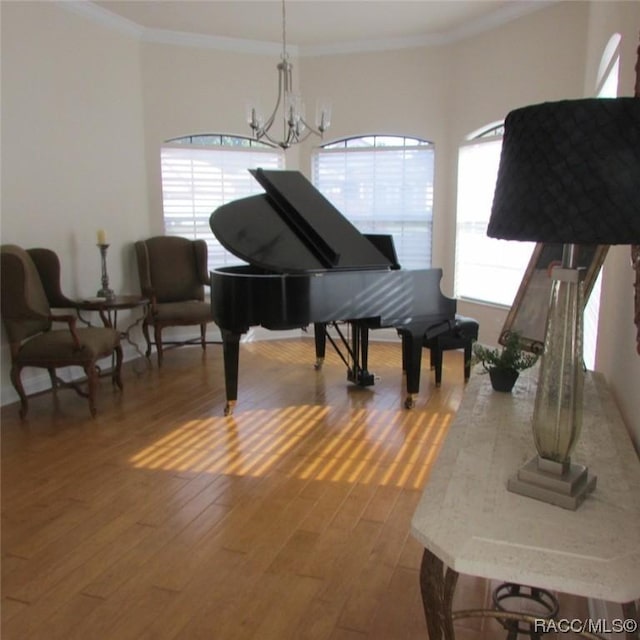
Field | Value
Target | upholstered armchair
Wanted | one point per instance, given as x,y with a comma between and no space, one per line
173,274
30,288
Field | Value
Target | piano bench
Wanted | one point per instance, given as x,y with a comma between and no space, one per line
461,336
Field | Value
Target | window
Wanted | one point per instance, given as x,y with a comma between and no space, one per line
487,269
382,184
607,87
201,173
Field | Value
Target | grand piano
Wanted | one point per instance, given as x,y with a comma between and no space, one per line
307,264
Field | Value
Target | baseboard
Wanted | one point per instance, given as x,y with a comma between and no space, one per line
37,380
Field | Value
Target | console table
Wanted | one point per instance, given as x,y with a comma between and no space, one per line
469,523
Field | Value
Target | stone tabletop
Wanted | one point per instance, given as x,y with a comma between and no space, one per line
470,521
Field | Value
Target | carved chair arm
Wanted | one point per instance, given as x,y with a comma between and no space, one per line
150,293
71,323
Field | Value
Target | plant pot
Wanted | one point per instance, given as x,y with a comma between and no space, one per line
503,379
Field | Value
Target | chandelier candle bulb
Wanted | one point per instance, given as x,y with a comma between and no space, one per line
323,115
102,236
254,115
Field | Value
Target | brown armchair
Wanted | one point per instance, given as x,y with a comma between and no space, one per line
30,288
173,274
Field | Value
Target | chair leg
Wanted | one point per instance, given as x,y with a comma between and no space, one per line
54,380
92,382
17,384
203,336
157,333
145,332
116,376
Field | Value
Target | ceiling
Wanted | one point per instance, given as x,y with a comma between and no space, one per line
321,23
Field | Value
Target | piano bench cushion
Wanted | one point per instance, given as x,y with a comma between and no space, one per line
189,312
463,330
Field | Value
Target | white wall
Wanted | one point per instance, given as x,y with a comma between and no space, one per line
72,153
616,355
86,108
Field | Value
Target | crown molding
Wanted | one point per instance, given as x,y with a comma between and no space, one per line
110,20
222,43
506,14
101,16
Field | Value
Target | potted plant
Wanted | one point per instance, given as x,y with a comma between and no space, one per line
504,365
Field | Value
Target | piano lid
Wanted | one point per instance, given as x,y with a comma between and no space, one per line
292,228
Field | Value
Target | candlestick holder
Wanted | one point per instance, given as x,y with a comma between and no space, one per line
105,292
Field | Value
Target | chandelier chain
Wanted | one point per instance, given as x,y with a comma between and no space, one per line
285,55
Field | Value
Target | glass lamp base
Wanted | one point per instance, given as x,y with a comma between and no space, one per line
563,484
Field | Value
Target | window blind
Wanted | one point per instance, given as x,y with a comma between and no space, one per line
486,269
196,180
383,189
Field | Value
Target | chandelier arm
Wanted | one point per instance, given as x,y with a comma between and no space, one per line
284,144
270,120
310,129
305,136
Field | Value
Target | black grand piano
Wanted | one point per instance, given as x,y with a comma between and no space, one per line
307,264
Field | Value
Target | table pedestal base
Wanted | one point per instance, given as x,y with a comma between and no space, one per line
438,585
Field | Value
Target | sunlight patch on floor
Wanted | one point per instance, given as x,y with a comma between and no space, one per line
385,447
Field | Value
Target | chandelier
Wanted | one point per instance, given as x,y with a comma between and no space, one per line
295,127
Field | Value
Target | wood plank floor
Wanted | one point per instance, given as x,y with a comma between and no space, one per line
162,519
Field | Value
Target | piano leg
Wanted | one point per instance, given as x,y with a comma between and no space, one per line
231,355
359,372
412,361
320,334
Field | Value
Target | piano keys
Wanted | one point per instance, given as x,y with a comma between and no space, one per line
307,264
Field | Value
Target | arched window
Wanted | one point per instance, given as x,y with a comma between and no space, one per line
382,184
201,173
609,70
487,270
606,87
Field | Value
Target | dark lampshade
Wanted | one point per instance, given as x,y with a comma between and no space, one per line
570,173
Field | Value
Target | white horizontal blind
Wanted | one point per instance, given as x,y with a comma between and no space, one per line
487,269
382,189
196,180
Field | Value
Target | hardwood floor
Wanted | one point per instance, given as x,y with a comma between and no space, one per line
162,519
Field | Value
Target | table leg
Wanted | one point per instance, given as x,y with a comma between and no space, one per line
437,585
126,335
631,611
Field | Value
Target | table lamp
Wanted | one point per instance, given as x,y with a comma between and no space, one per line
569,173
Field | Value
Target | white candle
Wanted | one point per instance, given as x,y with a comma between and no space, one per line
102,237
